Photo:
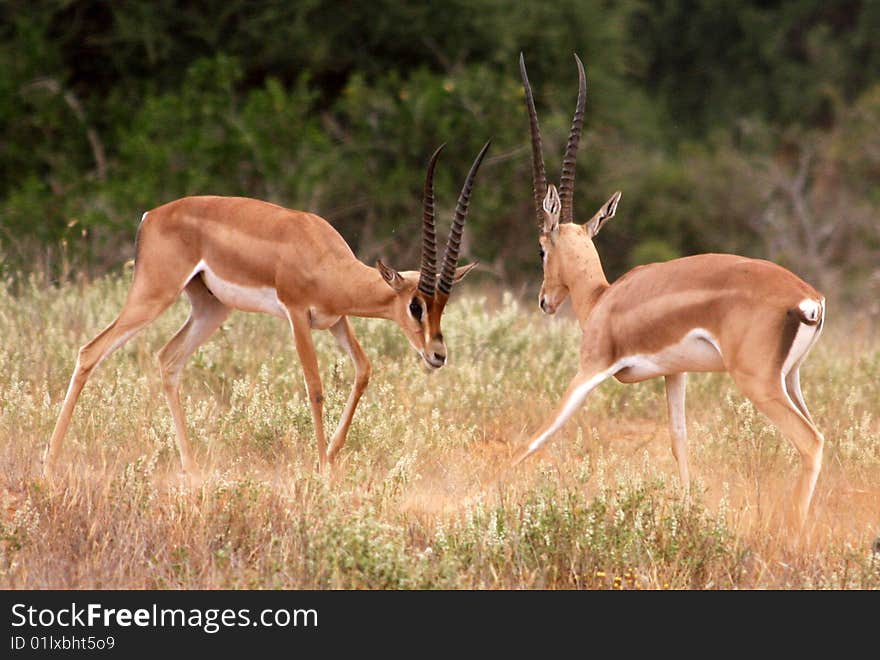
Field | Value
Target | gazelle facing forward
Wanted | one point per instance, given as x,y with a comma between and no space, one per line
236,253
709,312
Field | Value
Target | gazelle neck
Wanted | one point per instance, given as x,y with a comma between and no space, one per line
364,293
584,276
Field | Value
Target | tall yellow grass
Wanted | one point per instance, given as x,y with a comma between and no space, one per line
422,497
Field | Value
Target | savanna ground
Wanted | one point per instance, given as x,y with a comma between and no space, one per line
422,498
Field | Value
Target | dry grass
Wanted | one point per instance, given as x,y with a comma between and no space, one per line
422,498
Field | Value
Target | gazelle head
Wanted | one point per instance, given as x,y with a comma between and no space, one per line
566,248
422,296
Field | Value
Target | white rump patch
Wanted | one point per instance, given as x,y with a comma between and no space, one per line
804,339
810,309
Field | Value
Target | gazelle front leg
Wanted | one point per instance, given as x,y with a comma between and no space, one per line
305,348
585,381
675,395
344,334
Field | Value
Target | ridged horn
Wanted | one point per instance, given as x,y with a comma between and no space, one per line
428,276
450,257
566,181
539,176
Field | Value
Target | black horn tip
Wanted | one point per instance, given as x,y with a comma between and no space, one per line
437,152
581,73
483,151
477,162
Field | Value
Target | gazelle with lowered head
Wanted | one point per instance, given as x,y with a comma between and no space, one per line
707,312
231,253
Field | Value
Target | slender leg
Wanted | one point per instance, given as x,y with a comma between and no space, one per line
581,385
207,315
675,396
771,398
143,305
344,334
302,336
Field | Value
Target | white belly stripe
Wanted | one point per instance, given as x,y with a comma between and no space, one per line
698,350
245,298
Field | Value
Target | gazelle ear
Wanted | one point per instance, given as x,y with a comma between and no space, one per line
461,271
392,277
552,206
603,215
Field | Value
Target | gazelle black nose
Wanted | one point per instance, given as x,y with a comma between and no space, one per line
542,304
439,357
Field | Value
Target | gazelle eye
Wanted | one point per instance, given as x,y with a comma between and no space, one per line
415,308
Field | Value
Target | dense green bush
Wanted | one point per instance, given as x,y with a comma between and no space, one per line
729,126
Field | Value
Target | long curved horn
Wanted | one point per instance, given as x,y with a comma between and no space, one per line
539,177
450,257
566,181
428,276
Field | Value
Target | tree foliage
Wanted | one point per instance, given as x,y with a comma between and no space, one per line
746,126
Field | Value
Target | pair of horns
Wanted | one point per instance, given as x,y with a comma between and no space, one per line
428,283
539,177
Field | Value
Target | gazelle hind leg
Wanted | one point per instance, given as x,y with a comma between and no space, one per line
675,398
143,305
772,399
206,316
793,388
345,337
584,382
